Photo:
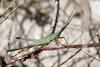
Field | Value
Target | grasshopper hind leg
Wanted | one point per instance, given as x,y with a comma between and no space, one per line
58,42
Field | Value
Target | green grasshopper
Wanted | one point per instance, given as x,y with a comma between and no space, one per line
46,40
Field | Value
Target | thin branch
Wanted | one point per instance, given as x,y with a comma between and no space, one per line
70,46
57,15
70,57
11,5
51,49
64,47
11,12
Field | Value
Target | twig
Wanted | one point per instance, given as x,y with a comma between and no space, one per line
55,48
57,15
70,57
11,5
71,46
11,12
64,47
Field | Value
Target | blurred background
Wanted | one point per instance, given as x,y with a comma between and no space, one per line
34,19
